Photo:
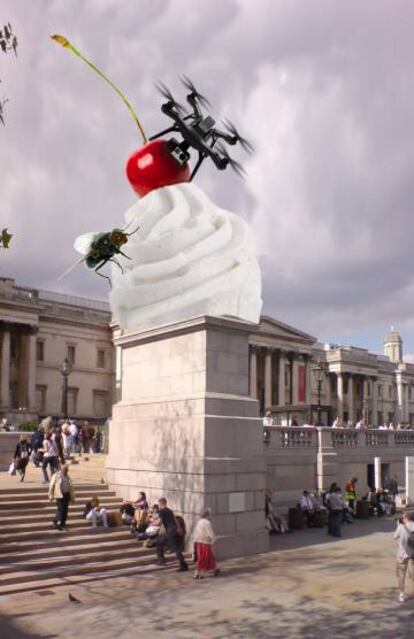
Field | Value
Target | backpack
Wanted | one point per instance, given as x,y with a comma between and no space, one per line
409,542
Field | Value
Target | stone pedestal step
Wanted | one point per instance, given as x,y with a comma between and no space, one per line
18,516
87,545
55,582
61,540
73,561
44,534
21,488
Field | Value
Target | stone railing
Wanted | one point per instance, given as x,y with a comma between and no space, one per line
285,437
280,437
344,438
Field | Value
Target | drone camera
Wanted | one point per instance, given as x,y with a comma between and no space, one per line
206,124
177,152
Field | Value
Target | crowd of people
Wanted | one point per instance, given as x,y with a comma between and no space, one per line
361,424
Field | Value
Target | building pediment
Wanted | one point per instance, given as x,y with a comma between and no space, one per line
274,329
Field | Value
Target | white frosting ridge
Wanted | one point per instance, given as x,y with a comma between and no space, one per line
188,258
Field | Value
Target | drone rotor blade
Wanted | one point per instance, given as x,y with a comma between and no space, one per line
71,268
166,93
247,146
236,166
189,85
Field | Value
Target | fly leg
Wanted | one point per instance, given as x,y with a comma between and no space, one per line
98,268
117,263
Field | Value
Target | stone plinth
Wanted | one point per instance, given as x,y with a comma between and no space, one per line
187,429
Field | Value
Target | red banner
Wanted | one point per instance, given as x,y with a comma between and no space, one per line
301,383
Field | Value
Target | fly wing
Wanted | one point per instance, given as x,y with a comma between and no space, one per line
70,269
83,243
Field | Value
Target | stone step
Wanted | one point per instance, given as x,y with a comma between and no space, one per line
64,540
98,490
89,544
38,515
43,488
95,567
43,534
94,555
47,507
56,582
37,526
81,497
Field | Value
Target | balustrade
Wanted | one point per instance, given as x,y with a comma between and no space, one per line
344,438
376,438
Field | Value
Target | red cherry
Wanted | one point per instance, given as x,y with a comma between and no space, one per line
153,166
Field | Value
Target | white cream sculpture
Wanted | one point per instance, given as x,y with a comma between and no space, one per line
188,258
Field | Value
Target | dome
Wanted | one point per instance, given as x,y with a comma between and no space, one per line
393,337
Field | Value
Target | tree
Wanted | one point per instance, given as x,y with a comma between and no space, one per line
8,42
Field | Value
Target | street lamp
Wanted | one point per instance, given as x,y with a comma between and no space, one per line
65,371
319,372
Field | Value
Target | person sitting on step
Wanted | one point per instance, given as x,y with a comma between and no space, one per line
94,513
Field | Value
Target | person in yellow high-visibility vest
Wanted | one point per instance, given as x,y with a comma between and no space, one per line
350,493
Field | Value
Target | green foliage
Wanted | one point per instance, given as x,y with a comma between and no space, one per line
27,427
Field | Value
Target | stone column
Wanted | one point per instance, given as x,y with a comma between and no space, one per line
377,468
400,401
31,370
374,402
5,370
308,398
327,466
340,393
409,479
281,381
268,379
253,371
295,364
186,428
351,397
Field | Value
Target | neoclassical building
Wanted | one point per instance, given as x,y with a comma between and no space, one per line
39,329
356,383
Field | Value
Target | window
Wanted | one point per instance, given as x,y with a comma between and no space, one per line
72,401
71,354
100,403
40,351
410,388
41,399
380,393
390,392
100,359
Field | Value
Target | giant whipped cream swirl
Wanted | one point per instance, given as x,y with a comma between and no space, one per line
188,258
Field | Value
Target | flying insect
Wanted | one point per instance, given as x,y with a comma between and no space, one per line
199,131
100,248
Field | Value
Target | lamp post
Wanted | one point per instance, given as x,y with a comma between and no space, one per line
65,371
319,372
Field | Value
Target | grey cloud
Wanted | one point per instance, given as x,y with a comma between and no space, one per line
325,90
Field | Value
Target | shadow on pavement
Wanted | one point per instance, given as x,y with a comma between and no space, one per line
8,630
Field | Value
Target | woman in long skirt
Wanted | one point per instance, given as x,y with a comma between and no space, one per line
204,539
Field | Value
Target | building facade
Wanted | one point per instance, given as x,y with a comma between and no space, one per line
355,383
38,330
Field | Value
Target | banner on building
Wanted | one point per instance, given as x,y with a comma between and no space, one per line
301,383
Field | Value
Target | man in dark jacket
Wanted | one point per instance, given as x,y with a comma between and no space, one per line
171,538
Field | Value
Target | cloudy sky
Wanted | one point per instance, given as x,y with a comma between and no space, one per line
325,91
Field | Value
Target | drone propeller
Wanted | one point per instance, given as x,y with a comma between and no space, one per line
166,93
236,166
189,85
247,146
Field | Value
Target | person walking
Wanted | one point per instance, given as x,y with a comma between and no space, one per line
172,536
50,457
350,493
61,490
204,539
21,456
405,553
336,507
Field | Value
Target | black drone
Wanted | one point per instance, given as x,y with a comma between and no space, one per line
199,131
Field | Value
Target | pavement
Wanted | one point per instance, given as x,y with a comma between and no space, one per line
307,587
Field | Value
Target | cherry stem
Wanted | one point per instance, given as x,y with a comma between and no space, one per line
67,45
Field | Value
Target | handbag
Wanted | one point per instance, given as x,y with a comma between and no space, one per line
12,468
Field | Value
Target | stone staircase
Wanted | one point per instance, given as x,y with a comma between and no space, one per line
33,556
